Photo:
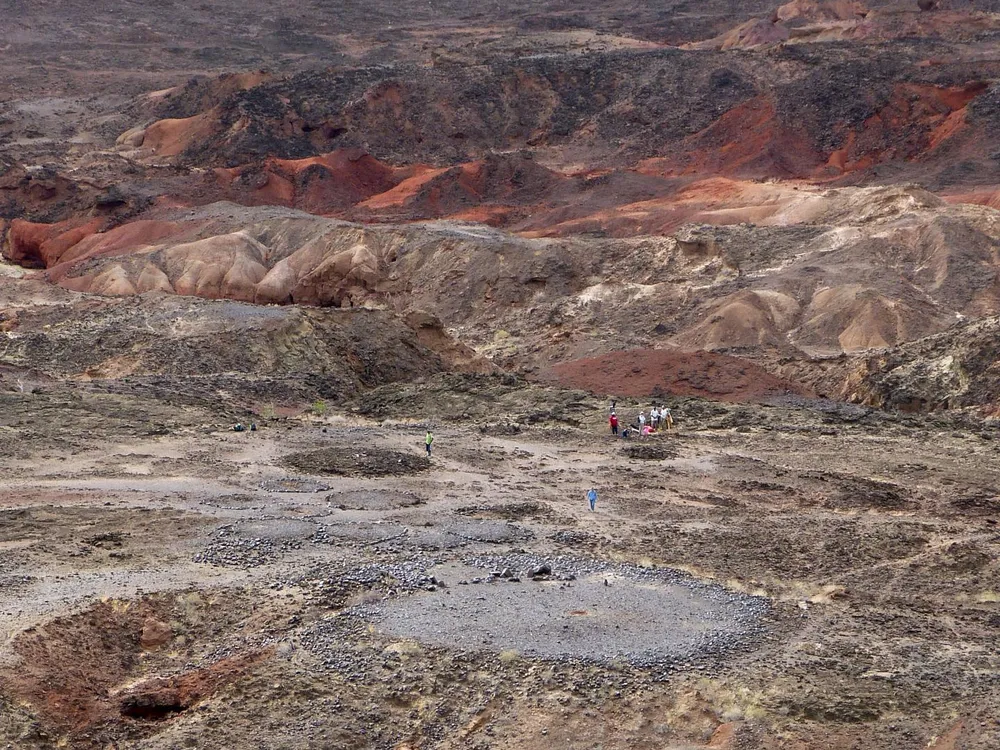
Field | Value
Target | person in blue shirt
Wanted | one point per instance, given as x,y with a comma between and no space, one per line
592,497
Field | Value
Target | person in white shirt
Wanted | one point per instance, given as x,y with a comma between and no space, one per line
654,418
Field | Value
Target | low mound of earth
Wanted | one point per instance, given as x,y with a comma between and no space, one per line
361,461
290,353
665,372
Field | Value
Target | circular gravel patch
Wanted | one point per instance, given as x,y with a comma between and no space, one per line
602,613
358,533
293,484
278,529
492,532
373,500
434,539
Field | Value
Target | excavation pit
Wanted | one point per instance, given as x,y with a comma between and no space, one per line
582,610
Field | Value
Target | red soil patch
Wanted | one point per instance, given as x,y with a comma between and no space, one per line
405,191
125,239
750,140
322,184
986,197
494,216
503,180
916,120
655,372
71,668
162,698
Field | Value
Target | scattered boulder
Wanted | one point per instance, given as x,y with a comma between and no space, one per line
540,572
155,634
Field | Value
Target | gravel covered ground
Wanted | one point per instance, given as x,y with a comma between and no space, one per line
774,575
582,609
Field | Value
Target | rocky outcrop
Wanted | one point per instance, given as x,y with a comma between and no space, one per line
337,352
954,369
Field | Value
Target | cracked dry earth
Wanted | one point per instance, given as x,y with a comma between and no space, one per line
794,576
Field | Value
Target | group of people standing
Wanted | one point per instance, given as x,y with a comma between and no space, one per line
659,419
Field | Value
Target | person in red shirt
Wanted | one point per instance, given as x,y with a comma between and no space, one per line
613,421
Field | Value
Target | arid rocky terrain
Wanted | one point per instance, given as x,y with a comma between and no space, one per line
339,226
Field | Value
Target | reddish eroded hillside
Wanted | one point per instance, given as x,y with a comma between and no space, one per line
605,109
353,184
324,184
668,372
585,146
916,126
818,271
601,154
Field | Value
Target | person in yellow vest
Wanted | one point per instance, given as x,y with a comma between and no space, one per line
428,441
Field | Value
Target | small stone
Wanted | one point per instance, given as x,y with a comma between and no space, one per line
155,634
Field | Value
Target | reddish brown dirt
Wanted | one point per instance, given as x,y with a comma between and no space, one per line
161,698
916,122
490,187
125,239
324,184
173,136
71,668
654,372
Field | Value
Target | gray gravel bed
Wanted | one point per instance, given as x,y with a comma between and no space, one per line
293,484
434,539
250,544
358,532
493,532
275,529
373,500
578,609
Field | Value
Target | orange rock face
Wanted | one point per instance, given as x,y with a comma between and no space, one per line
43,245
